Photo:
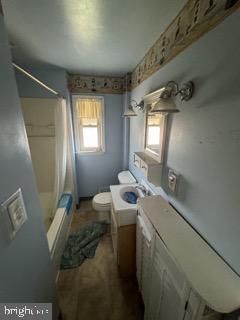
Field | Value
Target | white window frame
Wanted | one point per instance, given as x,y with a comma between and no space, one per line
78,132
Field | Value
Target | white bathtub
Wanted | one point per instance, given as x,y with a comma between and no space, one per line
46,202
57,229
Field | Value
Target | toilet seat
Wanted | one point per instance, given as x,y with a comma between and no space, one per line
102,201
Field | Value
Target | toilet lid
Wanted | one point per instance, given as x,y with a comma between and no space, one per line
125,177
103,198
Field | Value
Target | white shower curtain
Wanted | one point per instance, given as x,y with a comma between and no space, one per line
61,150
71,182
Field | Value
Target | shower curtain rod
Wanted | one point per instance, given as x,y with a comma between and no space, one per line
37,80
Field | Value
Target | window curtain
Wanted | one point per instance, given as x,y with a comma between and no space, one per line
88,108
88,111
154,120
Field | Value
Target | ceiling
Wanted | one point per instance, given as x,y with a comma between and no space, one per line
95,37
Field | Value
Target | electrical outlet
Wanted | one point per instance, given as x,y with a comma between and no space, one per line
172,180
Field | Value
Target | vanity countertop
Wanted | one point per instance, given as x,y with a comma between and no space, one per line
206,271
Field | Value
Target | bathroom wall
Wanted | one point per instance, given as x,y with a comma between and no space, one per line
203,143
97,171
25,268
52,76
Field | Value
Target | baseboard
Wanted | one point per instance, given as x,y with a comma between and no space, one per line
81,199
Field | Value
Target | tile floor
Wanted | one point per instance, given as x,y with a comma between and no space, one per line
94,291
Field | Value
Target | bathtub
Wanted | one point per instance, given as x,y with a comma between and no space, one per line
58,227
46,202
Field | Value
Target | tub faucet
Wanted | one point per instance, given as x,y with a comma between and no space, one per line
143,189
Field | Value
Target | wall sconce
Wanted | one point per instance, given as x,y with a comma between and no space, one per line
165,103
133,104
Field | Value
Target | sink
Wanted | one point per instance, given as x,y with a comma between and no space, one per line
126,212
128,189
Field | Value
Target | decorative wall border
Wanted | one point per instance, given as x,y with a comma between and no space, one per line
195,19
96,84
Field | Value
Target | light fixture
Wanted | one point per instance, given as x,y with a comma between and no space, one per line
164,105
133,104
165,102
130,112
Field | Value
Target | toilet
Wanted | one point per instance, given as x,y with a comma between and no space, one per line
102,201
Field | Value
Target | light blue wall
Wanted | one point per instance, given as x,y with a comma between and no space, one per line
97,171
204,138
25,268
54,77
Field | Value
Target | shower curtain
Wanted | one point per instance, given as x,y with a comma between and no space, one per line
60,150
71,182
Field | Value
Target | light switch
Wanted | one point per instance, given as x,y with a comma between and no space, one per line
14,208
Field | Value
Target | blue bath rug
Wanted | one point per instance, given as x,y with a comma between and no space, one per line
83,244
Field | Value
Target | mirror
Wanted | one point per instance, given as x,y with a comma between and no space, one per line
155,131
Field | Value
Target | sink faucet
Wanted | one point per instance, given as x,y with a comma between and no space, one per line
143,189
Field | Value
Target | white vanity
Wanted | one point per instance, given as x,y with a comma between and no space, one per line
123,228
180,276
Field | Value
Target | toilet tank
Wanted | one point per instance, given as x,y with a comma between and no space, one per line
125,177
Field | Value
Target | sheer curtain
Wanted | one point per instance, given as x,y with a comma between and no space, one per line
61,150
88,108
88,111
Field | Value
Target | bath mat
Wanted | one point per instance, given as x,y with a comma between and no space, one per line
83,244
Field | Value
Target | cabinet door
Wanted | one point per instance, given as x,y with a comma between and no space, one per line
146,266
139,252
114,232
169,290
155,288
143,256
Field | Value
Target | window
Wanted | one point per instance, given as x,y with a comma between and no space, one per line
155,135
89,124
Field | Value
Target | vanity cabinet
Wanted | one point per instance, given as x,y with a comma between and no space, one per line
170,295
124,245
180,276
150,167
169,289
